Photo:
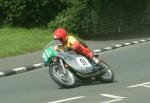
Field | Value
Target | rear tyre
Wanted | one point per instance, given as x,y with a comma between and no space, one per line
66,80
108,75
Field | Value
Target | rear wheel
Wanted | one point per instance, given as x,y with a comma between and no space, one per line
66,80
108,75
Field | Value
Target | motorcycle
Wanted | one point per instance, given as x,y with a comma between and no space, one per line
67,68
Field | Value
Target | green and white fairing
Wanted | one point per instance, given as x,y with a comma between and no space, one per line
49,52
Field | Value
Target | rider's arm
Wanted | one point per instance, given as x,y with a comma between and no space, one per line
78,47
84,44
82,49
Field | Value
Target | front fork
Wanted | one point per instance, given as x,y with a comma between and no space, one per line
62,65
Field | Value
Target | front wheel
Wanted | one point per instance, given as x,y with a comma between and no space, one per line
108,75
66,80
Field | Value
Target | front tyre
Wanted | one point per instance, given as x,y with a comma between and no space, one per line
66,80
108,75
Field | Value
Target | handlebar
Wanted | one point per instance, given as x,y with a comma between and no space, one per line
67,49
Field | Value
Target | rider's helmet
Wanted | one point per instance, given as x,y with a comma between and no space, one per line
60,34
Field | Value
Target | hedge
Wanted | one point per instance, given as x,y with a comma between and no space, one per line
28,13
92,18
85,17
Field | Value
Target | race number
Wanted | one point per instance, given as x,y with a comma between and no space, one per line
83,62
44,57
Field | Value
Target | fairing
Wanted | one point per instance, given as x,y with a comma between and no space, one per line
73,60
77,62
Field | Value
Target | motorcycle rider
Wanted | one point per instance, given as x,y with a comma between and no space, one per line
70,42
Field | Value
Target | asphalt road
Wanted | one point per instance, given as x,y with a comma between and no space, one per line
131,66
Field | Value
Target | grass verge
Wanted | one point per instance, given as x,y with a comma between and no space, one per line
14,41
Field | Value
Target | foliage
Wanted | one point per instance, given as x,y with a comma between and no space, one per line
103,17
28,13
77,18
85,17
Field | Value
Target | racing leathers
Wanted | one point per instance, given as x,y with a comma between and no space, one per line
74,44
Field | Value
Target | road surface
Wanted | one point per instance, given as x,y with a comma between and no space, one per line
131,66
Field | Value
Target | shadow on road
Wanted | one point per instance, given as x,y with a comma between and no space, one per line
90,83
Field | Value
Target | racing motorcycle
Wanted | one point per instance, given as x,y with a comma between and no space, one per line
67,68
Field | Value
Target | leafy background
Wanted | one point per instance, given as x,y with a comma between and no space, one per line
89,18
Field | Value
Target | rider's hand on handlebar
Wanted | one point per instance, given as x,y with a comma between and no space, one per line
55,48
67,49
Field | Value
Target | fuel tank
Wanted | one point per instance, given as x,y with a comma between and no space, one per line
77,62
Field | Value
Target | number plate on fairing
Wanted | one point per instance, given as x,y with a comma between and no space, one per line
83,62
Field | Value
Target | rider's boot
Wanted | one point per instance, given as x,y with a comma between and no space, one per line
98,62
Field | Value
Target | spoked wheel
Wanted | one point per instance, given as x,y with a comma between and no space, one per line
108,75
65,80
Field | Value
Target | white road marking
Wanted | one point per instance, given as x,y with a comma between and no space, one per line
20,70
115,98
38,65
108,48
96,51
142,40
63,100
142,85
135,42
118,45
2,74
127,44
